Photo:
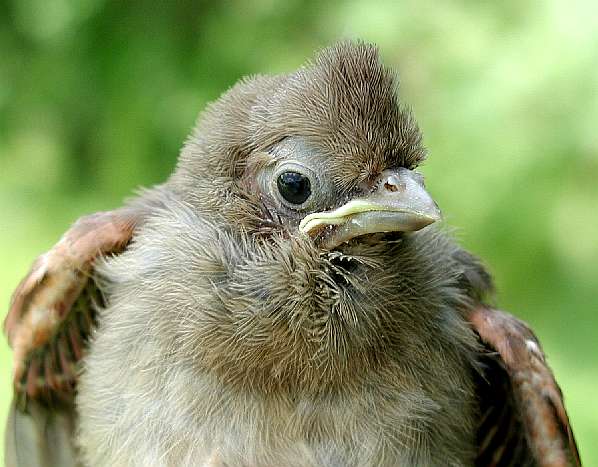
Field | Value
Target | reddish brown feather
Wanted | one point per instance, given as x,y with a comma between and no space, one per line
534,391
51,311
75,341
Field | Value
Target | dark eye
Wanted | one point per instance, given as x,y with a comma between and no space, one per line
294,187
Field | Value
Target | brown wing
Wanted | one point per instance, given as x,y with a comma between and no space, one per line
53,308
524,421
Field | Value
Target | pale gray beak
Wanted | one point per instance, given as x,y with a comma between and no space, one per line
399,203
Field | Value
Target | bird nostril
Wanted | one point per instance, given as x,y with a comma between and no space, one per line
393,184
390,187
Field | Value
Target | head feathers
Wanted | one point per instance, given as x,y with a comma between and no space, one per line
344,102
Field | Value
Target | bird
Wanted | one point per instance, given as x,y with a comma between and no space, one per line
289,296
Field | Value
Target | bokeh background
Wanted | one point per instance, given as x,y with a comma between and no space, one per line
97,96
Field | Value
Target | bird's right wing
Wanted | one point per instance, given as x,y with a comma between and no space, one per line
51,315
52,310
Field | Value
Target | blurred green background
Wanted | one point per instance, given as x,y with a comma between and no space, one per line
96,98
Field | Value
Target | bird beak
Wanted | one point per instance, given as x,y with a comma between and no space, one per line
399,203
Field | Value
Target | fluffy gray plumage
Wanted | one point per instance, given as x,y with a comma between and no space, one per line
232,339
263,352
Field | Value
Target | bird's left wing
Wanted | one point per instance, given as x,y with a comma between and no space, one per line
524,422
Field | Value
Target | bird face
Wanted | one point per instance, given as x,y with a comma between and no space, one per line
298,189
326,152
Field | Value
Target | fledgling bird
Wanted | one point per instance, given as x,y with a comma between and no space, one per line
283,299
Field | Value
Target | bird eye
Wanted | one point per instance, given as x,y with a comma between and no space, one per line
294,187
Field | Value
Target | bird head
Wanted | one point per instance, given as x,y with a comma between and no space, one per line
325,152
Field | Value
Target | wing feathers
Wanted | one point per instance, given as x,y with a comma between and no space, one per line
53,309
521,402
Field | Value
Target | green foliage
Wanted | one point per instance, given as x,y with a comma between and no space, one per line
96,98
